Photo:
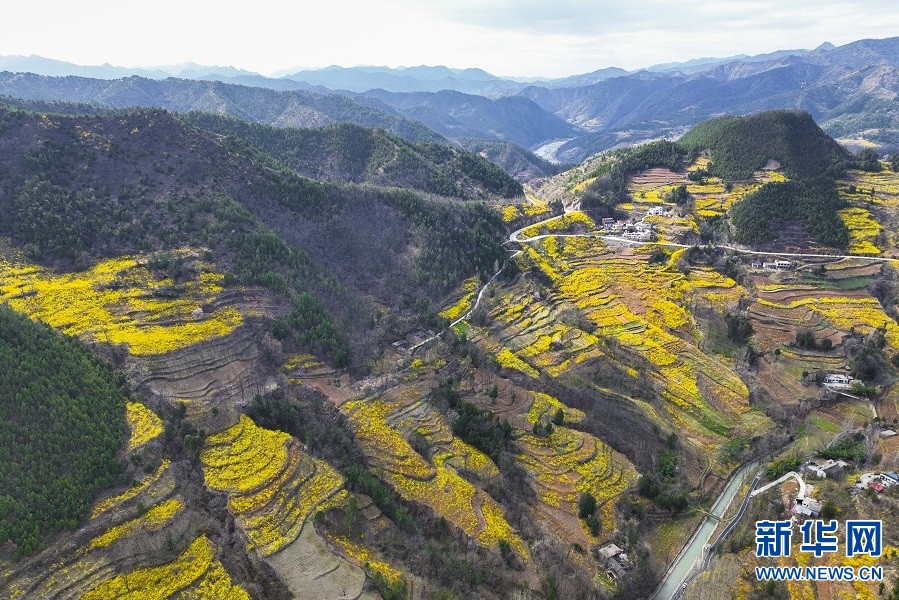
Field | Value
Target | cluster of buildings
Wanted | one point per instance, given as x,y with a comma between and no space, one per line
638,232
877,481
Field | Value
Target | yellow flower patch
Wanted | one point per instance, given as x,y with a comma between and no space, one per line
439,485
863,229
463,305
114,302
364,558
545,404
153,520
565,222
272,485
131,492
508,360
143,423
196,574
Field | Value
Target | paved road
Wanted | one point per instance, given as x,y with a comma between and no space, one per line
516,237
711,550
794,475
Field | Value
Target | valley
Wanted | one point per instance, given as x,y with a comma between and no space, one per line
392,356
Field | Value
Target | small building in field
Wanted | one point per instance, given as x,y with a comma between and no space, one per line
777,265
614,570
610,550
639,236
658,211
805,507
824,469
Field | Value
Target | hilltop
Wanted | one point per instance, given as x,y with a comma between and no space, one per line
78,189
282,108
739,146
755,154
355,154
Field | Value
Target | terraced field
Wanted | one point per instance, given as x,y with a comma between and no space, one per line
567,463
119,301
126,529
380,424
645,309
272,485
711,199
194,575
829,305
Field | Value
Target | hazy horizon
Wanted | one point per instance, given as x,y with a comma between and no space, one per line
525,38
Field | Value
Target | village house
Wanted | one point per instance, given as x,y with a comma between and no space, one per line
806,507
615,560
777,265
823,470
639,236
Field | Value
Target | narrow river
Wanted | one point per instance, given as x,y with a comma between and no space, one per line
693,553
548,150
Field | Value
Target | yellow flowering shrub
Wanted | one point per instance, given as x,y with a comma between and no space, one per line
195,574
272,485
131,492
364,558
508,360
545,404
114,302
153,520
143,423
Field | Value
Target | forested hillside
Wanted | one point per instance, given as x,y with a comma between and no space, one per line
454,114
62,426
355,154
280,108
519,162
81,188
740,146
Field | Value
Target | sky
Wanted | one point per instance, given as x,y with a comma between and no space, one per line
549,38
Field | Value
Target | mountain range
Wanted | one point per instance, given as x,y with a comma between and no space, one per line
323,346
850,90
